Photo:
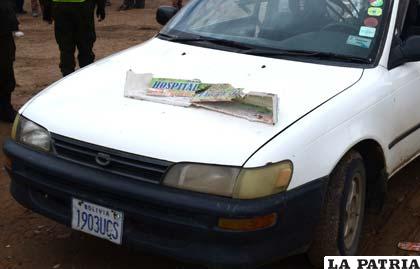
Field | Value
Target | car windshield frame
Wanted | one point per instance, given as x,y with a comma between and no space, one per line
175,32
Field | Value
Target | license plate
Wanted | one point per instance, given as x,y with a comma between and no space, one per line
97,220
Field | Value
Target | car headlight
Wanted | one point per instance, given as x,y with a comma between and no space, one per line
31,134
263,181
210,179
231,181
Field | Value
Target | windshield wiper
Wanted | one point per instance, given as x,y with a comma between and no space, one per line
309,54
347,58
269,52
204,39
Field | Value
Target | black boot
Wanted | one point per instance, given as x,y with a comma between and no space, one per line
7,112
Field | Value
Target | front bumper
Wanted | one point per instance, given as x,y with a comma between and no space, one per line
168,221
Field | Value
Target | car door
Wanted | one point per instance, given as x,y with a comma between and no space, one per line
406,81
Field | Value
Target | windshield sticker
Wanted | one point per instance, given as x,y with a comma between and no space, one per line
376,3
359,41
375,11
371,22
367,31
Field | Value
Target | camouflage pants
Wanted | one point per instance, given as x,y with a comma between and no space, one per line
177,3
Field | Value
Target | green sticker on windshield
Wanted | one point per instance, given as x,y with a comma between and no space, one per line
375,11
376,3
359,41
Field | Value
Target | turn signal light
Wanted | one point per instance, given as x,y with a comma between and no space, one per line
15,126
248,225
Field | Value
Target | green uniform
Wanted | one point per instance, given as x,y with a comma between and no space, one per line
74,25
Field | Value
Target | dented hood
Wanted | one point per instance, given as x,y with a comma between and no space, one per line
90,105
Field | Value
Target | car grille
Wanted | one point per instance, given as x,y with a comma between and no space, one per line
120,163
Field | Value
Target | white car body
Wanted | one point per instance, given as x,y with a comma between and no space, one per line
363,119
320,117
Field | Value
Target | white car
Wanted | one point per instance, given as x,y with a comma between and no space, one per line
217,189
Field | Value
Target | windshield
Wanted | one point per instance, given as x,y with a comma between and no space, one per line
334,27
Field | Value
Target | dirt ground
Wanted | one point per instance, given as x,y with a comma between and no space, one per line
28,240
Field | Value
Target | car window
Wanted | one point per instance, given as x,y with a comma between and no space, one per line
227,11
344,27
411,18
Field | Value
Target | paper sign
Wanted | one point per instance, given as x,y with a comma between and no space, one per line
222,97
217,93
173,87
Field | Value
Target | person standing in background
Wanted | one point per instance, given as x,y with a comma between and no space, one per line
8,25
35,8
46,8
19,7
126,5
130,4
74,27
177,4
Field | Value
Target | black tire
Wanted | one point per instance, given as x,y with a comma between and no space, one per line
330,239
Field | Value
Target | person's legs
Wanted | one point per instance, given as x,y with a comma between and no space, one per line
65,37
47,10
125,5
177,3
7,78
35,8
7,83
85,33
132,3
7,112
139,4
19,6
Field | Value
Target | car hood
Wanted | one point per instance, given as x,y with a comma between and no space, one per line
90,106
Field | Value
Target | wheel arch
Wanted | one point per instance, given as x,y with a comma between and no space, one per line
376,173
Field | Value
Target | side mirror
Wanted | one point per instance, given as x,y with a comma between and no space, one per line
405,52
165,13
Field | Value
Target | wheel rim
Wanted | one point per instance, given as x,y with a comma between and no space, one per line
353,211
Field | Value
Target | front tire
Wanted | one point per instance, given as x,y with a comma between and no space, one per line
339,230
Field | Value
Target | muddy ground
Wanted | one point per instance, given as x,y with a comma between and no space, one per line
28,240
